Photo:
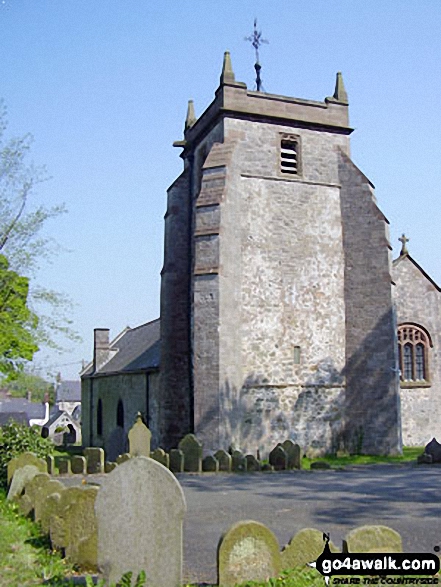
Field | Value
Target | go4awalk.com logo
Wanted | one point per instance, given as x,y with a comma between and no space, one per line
378,567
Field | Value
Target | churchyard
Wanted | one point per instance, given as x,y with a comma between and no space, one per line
129,515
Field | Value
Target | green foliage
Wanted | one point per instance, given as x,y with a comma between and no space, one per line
17,323
23,382
18,438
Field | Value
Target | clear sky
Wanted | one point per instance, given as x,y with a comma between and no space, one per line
103,87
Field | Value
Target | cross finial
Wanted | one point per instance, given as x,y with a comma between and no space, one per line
256,40
404,240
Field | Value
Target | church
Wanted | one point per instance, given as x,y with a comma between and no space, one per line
282,312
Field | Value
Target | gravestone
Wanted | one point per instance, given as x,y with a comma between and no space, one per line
210,464
21,476
81,528
305,547
50,463
238,462
293,455
64,467
161,456
108,467
26,458
176,460
78,465
34,485
252,464
95,460
123,458
42,494
50,508
117,444
267,467
434,450
147,494
277,458
374,539
58,522
248,551
192,449
224,460
139,438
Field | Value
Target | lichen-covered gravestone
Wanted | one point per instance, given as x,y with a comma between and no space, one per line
78,465
248,551
95,460
161,456
224,460
252,464
192,449
374,539
210,464
81,529
293,455
176,460
238,462
139,439
21,476
277,458
140,511
58,521
26,458
64,467
305,547
42,494
123,458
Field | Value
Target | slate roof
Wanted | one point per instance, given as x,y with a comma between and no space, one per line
56,415
18,405
68,391
19,417
137,349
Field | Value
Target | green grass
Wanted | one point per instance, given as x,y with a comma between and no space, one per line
409,454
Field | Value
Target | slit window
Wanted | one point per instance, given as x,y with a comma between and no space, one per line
289,156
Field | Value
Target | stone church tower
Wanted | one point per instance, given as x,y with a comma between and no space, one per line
277,318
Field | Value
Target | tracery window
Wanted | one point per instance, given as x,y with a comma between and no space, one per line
413,350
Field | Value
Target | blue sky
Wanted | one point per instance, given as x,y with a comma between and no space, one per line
103,87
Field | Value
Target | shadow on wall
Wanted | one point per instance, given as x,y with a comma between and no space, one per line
323,415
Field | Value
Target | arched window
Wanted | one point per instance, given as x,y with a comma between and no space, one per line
120,414
413,349
99,418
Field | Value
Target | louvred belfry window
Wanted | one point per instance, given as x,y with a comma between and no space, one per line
413,350
290,154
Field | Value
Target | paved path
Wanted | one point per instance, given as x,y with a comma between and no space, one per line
404,497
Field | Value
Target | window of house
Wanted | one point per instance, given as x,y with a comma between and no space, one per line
289,155
99,418
413,349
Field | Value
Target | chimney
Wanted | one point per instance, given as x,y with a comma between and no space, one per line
101,347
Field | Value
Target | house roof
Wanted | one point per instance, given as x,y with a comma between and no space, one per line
68,391
18,404
19,417
426,275
56,416
136,349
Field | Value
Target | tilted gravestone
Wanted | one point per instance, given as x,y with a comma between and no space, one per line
176,460
224,459
146,493
277,458
252,464
434,450
21,476
78,465
248,551
238,462
26,458
192,449
161,456
95,460
374,539
210,464
139,438
293,455
305,547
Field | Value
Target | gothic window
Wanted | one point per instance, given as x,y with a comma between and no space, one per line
289,154
120,414
413,349
99,418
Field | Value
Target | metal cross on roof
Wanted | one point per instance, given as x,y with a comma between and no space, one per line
404,240
256,40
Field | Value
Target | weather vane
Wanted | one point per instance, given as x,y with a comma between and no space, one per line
256,40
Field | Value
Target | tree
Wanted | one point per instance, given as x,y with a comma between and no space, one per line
25,383
23,246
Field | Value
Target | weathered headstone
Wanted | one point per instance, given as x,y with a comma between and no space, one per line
58,522
293,455
146,493
108,467
252,464
26,458
81,527
277,458
267,467
139,438
50,463
78,465
50,508
374,539
42,494
123,458
27,501
192,449
176,459
434,450
95,460
238,462
64,467
248,551
161,456
210,464
21,477
224,459
305,547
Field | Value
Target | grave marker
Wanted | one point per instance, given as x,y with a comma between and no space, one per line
139,438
